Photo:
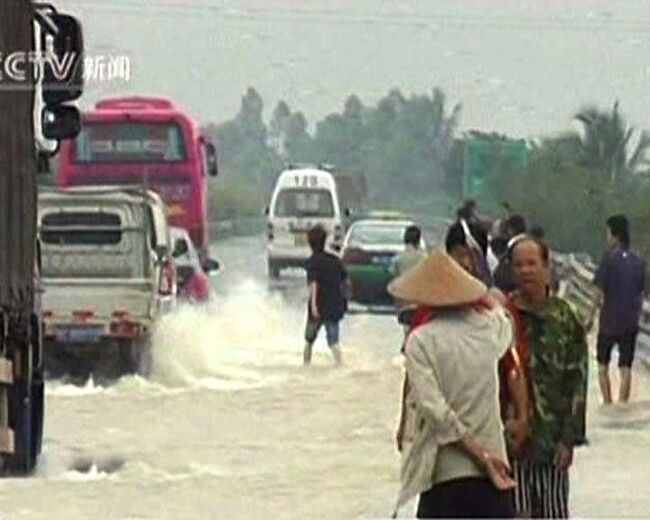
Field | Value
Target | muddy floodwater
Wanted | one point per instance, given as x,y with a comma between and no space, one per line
232,426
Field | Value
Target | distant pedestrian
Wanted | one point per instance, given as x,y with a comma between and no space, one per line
469,212
467,242
402,262
621,281
537,232
457,462
498,247
326,277
504,277
500,226
516,226
552,347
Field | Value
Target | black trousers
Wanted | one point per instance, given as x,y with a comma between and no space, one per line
472,497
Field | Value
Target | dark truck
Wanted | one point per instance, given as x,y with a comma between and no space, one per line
25,28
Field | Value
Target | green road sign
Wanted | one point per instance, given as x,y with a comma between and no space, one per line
482,158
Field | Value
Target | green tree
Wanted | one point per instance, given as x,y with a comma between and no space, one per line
249,164
606,143
278,128
298,143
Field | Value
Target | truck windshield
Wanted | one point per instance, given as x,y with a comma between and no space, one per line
81,228
130,143
304,203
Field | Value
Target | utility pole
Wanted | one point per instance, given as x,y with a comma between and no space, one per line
21,404
21,346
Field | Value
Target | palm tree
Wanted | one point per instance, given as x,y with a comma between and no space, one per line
606,143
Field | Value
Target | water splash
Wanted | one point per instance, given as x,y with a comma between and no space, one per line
229,343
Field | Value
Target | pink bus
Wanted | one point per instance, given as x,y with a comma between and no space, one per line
151,142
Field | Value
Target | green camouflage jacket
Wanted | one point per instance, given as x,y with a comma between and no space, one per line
557,370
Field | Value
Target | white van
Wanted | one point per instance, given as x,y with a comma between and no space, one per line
301,199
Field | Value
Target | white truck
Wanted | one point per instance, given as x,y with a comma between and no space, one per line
107,273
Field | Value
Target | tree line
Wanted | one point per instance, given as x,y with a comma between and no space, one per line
411,151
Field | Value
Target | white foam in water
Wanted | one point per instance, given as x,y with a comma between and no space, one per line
138,471
85,476
58,389
227,344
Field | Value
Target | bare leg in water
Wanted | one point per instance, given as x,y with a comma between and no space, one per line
336,352
605,384
306,354
625,385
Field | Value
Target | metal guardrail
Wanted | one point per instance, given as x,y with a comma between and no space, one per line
576,286
236,226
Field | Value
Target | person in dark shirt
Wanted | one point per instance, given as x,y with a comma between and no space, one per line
326,277
504,277
621,280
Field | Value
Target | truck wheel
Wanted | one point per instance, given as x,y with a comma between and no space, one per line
136,357
21,409
145,359
38,410
274,269
23,460
128,357
38,386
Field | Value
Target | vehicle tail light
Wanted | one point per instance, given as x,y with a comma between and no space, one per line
338,233
125,329
82,316
168,280
48,314
120,314
122,326
354,255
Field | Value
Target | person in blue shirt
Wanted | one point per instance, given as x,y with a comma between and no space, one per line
621,282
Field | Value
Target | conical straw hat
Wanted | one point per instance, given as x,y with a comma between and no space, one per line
437,281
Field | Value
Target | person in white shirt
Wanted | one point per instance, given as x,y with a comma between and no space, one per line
401,263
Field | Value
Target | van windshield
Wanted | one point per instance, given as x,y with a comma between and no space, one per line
304,203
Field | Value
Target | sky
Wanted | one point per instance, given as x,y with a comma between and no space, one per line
517,67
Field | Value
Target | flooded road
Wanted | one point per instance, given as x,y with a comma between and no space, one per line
232,426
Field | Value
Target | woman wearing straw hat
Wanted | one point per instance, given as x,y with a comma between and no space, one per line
457,460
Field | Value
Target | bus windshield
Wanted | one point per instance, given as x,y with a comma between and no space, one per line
132,142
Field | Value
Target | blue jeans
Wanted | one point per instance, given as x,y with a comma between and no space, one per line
331,330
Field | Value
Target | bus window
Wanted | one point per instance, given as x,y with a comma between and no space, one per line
130,143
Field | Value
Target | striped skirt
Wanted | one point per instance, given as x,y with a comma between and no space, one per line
542,490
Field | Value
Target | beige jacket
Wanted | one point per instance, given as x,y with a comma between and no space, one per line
451,365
